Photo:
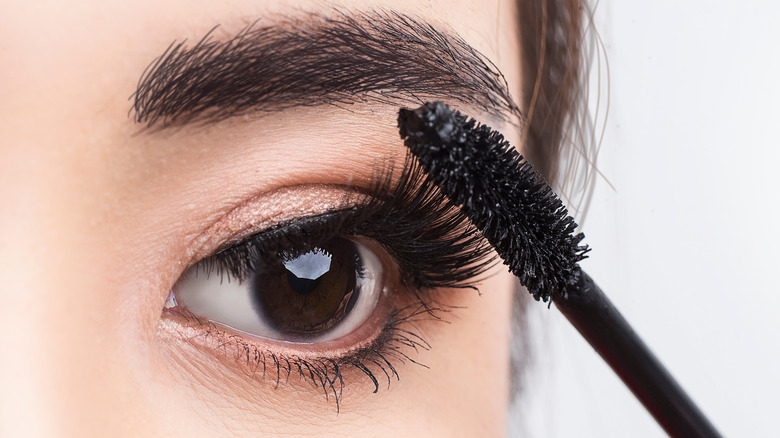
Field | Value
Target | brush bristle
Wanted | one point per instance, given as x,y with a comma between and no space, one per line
505,198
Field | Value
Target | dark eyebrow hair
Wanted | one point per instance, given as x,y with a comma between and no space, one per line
341,59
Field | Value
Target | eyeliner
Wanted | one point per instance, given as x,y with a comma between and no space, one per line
520,215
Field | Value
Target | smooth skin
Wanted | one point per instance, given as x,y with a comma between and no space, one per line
98,220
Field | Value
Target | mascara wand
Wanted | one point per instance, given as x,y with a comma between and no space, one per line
531,230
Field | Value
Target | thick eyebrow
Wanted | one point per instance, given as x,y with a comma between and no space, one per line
311,60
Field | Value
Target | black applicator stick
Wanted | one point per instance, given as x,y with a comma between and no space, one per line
531,230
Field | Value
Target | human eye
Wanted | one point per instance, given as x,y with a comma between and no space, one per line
284,286
324,295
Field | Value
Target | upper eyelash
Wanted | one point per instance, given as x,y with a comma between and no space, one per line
433,242
239,260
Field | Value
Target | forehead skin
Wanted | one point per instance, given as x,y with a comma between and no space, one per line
98,220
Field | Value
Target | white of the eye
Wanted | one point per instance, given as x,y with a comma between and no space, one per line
221,300
229,303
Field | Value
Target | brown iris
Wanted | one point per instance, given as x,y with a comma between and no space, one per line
310,292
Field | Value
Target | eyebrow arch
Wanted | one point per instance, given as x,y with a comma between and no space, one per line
309,60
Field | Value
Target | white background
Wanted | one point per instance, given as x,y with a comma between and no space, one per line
688,243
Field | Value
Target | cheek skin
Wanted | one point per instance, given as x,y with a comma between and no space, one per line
471,362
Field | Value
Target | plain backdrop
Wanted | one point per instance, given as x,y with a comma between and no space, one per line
687,244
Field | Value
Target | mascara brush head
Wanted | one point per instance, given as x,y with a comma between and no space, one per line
500,192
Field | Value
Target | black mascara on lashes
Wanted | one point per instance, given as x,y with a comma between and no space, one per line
427,235
531,230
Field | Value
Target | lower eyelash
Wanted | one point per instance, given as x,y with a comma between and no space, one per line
380,357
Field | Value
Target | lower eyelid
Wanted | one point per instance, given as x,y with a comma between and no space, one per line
376,360
212,336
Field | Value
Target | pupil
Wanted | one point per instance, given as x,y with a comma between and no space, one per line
308,293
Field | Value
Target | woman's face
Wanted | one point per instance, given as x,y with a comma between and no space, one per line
103,213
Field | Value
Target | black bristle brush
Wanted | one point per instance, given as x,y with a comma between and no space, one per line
531,230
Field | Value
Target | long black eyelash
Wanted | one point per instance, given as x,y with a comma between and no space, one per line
434,244
433,241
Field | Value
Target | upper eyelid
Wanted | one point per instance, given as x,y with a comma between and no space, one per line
435,230
418,226
324,223
264,211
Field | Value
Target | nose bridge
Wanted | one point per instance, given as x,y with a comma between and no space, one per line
64,338
45,295
56,329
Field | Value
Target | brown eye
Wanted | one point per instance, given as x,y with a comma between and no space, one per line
311,292
318,295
